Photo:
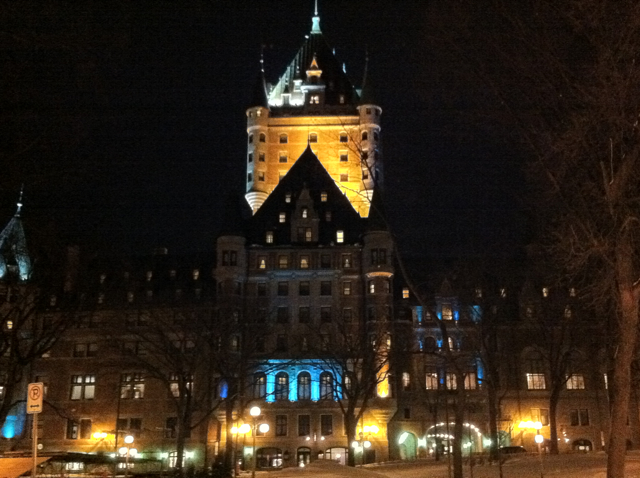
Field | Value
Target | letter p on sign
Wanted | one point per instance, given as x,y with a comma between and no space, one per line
34,397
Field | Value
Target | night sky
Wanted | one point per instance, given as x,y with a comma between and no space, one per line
126,120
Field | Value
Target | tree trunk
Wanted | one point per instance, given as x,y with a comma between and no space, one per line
553,422
458,430
350,426
229,459
624,343
492,396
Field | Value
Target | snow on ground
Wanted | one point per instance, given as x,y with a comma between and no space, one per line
591,465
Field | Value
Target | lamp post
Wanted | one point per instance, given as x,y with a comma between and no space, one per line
127,451
539,440
255,413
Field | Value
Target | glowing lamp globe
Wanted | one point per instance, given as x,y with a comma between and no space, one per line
263,427
539,439
128,439
255,411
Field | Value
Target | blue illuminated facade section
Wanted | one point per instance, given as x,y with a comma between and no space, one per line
419,314
476,314
479,369
293,369
14,423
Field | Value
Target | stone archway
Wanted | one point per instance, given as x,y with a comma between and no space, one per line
407,446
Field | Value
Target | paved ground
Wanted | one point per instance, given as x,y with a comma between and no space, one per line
564,466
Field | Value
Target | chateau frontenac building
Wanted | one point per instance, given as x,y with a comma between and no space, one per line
300,310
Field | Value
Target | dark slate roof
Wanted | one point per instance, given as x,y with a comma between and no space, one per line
307,173
367,94
259,95
235,211
14,255
333,77
377,215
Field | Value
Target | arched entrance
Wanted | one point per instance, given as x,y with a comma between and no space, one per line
337,454
303,455
407,444
439,439
582,445
269,458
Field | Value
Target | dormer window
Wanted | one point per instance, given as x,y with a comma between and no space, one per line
305,213
284,139
503,293
405,293
269,237
196,274
545,292
447,312
478,293
340,236
572,292
287,197
341,99
314,100
313,138
282,217
323,197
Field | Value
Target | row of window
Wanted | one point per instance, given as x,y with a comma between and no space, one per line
313,137
574,381
132,386
81,429
304,287
378,257
303,386
304,235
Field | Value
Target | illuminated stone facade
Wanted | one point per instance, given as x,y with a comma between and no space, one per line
313,103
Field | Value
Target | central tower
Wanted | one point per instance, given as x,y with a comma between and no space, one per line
313,103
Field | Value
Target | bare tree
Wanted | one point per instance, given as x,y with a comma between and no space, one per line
563,78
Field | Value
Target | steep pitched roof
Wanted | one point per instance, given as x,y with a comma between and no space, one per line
259,94
334,78
14,255
310,176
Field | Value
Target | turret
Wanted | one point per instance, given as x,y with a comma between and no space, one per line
370,113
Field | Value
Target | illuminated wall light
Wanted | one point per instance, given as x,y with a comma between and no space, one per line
403,438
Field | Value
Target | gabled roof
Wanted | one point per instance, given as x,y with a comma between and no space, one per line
307,173
14,255
333,77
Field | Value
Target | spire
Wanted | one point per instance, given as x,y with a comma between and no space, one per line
259,96
366,94
14,255
315,28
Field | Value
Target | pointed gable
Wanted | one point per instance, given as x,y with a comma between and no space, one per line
306,185
14,255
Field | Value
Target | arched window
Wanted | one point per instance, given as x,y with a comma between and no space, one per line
365,136
429,344
282,386
251,138
263,137
259,385
326,386
304,386
284,139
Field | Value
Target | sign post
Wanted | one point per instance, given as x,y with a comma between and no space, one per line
35,393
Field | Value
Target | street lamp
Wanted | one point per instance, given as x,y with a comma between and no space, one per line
539,441
263,428
127,451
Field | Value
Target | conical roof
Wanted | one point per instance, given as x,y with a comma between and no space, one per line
259,95
14,255
377,215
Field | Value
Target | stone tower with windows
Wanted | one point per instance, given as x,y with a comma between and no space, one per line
313,103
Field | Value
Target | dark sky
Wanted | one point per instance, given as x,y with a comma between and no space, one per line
126,120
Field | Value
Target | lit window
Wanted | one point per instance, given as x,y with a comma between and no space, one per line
451,381
478,293
314,100
283,157
304,388
572,292
326,386
83,387
282,386
365,172
305,213
282,217
567,312
340,236
344,177
304,262
284,139
344,157
372,287
447,313
313,138
262,262
269,237
431,381
287,197
346,288
178,382
344,138
575,381
323,197
545,292
341,99
283,262
536,381
405,293
131,386
503,292
470,381
9,324
406,381
259,385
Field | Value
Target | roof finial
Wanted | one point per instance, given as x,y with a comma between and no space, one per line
19,203
315,28
262,58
